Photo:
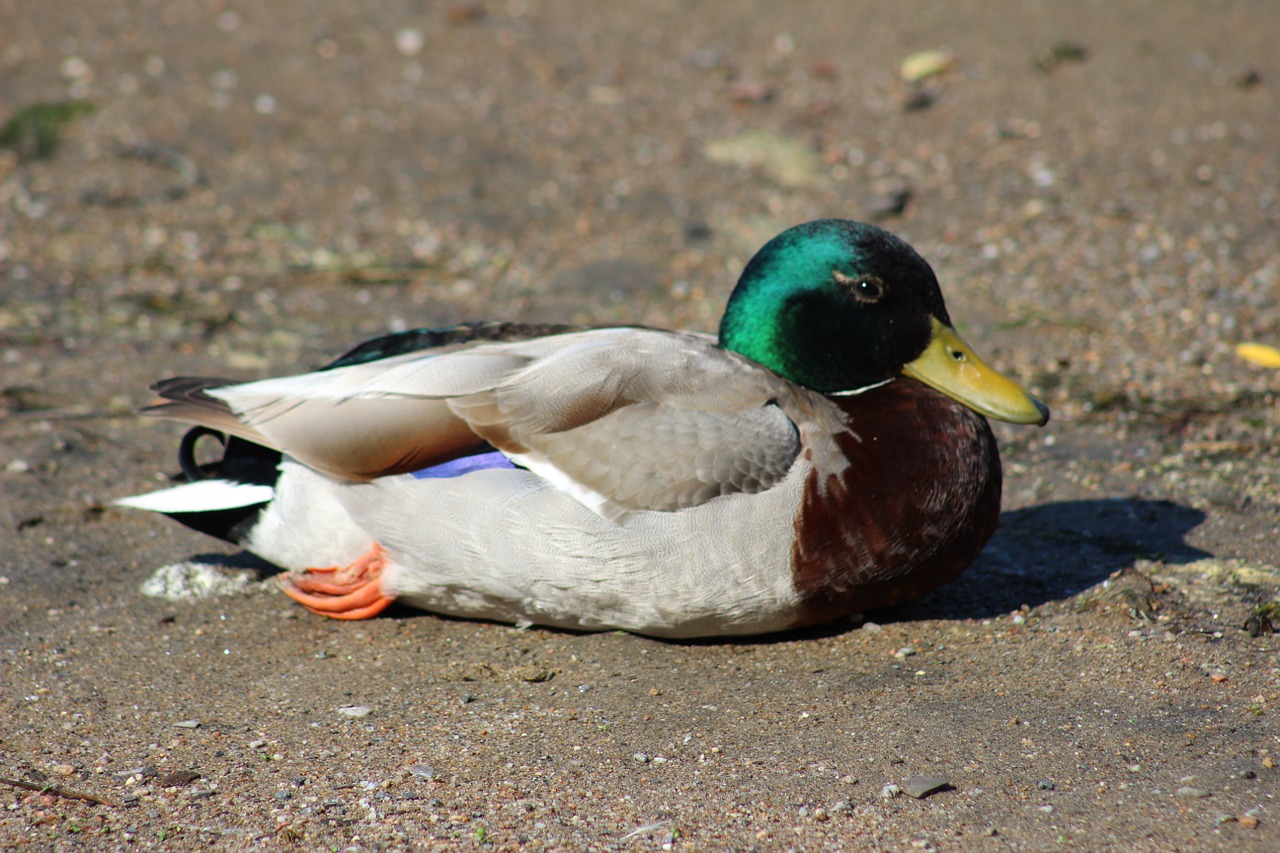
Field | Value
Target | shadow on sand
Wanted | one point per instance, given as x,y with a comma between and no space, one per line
1056,550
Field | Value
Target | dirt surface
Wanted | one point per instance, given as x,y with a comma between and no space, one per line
259,186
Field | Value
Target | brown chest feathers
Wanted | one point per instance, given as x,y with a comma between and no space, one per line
918,501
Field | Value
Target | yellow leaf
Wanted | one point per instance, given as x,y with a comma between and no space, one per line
1259,354
926,63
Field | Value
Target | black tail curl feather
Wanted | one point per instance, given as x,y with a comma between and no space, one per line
192,469
242,461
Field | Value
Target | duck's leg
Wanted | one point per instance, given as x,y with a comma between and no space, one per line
343,592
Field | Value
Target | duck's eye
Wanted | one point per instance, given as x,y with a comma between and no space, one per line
866,288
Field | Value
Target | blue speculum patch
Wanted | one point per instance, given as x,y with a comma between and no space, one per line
464,465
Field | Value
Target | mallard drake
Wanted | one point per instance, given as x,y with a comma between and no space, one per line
829,454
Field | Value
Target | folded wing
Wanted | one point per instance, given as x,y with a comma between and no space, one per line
624,419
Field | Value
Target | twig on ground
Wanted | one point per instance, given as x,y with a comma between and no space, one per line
56,791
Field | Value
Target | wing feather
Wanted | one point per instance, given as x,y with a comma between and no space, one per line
625,419
657,421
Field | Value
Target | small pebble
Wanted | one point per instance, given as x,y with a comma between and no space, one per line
75,68
466,13
921,786
751,92
355,711
904,652
532,674
641,757
188,724
178,779
918,99
422,771
1060,52
144,770
257,744
890,791
1044,785
885,203
1249,79
1189,792
409,41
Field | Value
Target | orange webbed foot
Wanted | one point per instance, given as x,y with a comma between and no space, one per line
347,592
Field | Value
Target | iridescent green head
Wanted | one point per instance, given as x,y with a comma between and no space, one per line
836,305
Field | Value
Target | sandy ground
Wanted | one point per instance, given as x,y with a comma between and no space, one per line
261,185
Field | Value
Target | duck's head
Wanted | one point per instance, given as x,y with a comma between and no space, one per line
837,306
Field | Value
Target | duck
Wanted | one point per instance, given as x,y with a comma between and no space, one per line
826,454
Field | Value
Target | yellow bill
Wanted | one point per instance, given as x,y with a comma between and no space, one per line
950,366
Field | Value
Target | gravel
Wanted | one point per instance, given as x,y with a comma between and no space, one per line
258,187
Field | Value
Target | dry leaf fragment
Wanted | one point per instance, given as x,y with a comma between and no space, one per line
1259,354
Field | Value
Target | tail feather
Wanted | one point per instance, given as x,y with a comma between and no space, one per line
201,496
185,400
223,498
